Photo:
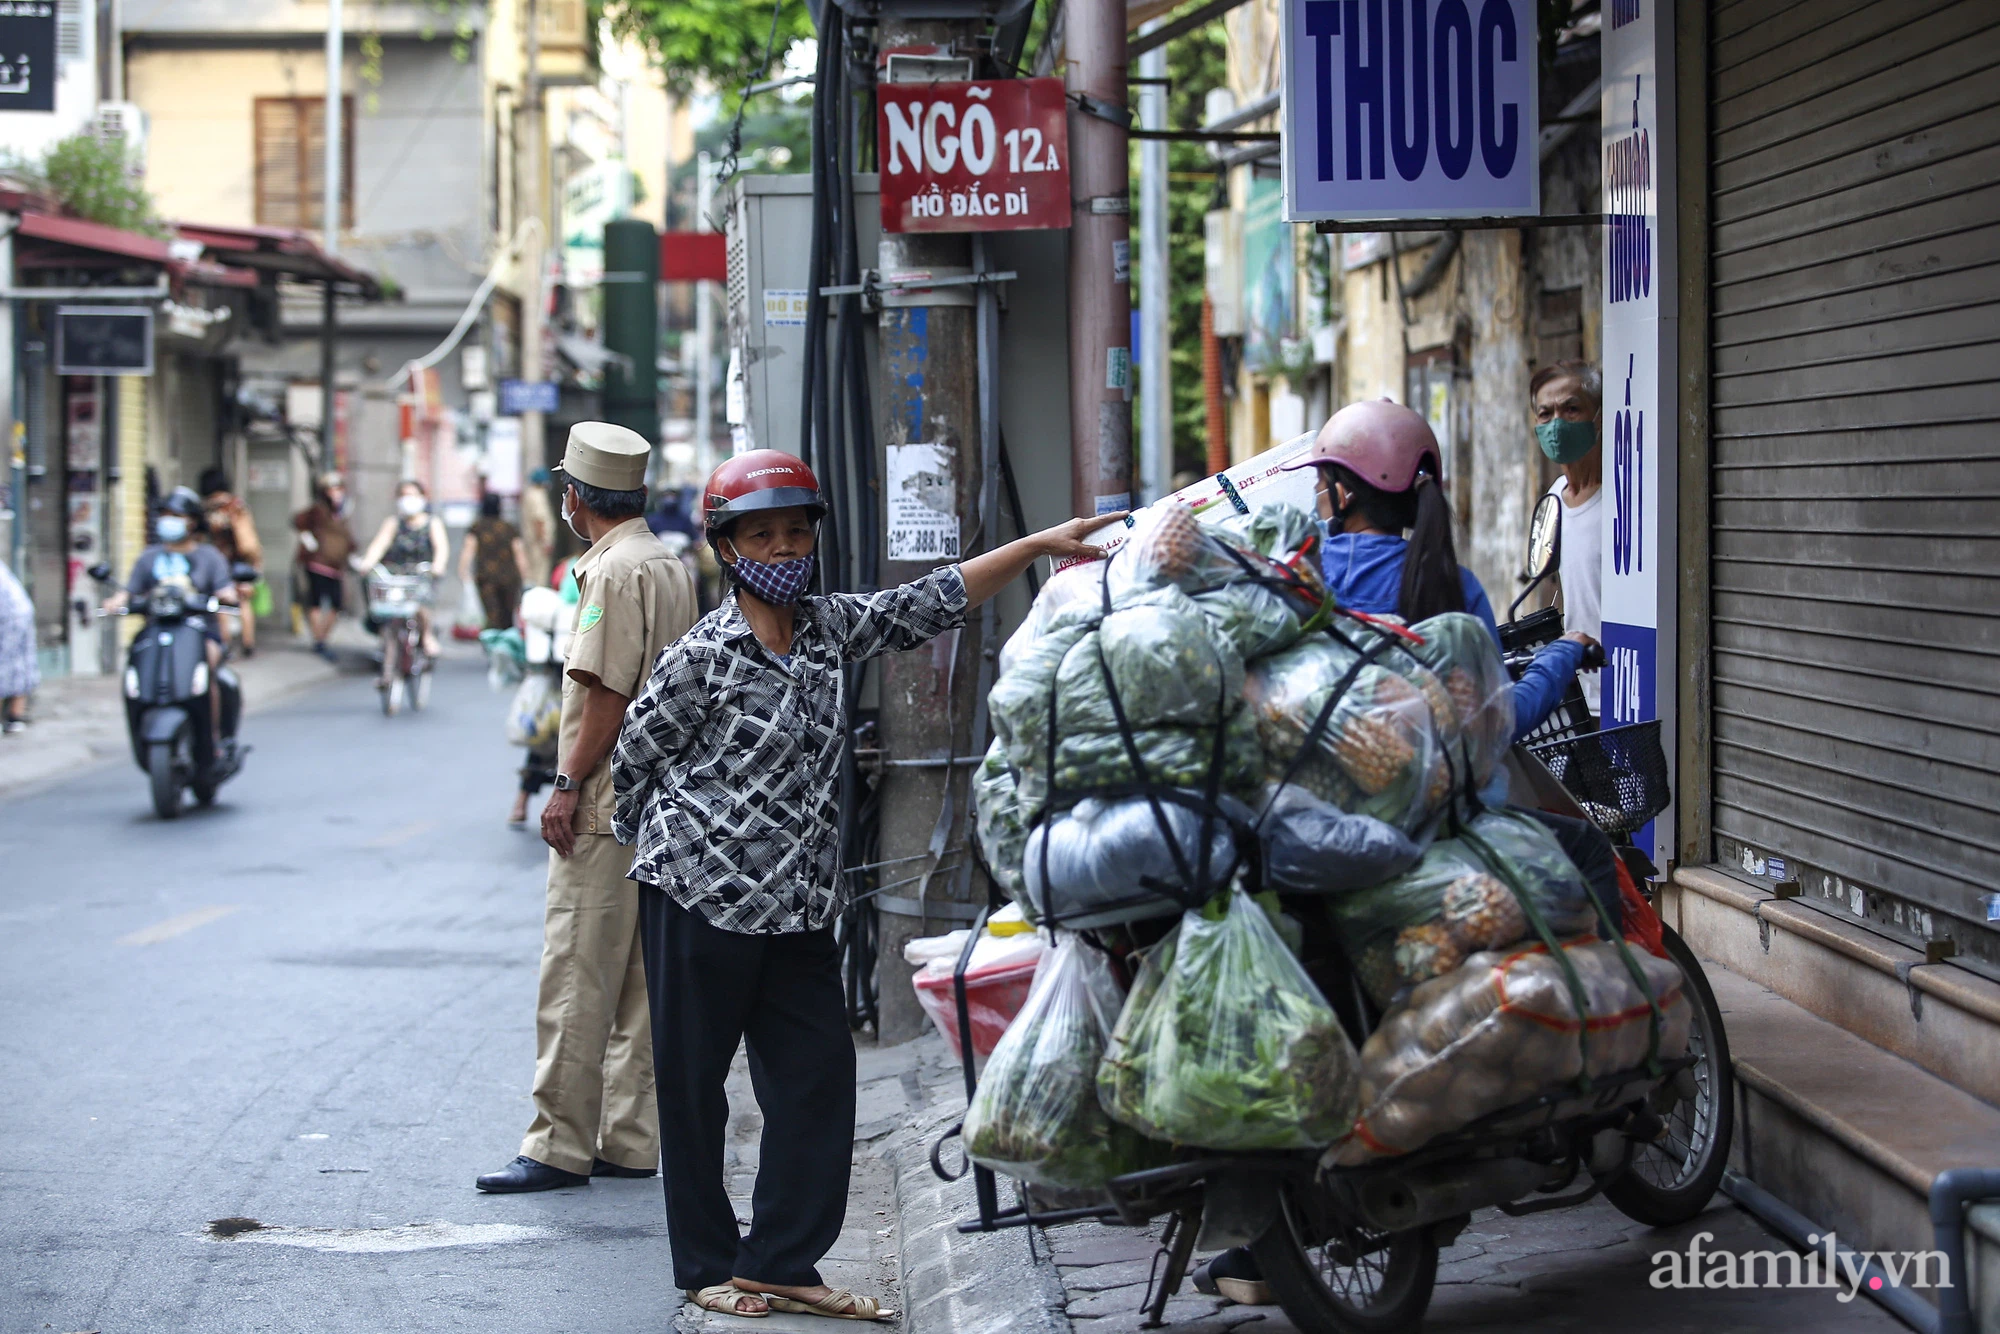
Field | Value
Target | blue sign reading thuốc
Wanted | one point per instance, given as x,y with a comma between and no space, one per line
1410,109
519,396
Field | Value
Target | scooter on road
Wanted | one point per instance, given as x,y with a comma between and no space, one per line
182,723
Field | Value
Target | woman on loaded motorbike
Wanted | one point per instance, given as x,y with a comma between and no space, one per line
411,537
1379,477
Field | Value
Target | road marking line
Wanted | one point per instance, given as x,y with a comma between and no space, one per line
179,926
386,1240
403,835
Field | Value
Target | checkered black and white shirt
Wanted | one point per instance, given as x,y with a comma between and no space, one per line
727,766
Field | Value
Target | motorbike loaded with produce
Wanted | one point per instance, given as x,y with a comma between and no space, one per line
1313,986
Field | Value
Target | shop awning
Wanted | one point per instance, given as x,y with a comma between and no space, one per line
282,252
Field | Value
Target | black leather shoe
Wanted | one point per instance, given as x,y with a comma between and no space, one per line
600,1168
525,1174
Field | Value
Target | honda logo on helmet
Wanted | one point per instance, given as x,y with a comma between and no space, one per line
766,472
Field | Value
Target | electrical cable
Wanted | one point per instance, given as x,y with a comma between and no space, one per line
472,307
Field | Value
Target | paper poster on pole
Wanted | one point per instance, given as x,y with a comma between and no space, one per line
921,494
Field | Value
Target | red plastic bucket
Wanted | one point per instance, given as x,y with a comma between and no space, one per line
993,996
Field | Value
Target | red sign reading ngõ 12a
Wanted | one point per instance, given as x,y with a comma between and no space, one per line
973,157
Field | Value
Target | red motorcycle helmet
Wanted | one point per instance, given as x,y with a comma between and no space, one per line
762,479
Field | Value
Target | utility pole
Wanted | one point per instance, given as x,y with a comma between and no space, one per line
1100,293
1156,421
534,449
704,328
329,199
929,396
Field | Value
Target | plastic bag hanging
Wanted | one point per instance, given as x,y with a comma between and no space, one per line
1225,1043
1035,1115
1460,650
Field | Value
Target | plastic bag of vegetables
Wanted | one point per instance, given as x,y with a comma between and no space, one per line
1168,668
1503,1028
1456,902
1071,592
1172,756
1460,650
1002,833
1035,1115
1225,1043
1104,862
1268,603
1312,847
1377,752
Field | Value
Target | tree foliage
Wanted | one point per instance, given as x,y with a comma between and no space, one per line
716,44
92,179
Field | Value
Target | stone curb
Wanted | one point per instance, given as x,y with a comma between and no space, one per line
964,1283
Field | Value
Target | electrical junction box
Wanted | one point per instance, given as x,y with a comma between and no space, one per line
769,237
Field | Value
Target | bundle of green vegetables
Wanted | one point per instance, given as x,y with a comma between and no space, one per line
1035,1115
1225,1043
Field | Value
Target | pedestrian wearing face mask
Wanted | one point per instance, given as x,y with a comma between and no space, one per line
1568,400
411,540
726,772
593,1090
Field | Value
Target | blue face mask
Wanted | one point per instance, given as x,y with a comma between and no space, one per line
172,528
781,583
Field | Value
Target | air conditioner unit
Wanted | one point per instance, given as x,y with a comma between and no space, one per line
125,123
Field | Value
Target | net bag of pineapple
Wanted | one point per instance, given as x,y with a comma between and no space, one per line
1458,900
1508,1026
1035,1115
1459,649
1347,729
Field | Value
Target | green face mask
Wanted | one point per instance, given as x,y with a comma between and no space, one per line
1566,441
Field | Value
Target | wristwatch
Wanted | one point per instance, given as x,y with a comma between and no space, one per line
564,783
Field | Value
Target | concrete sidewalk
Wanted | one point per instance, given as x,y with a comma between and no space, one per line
79,721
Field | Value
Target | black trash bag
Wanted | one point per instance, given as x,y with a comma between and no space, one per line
1105,862
1314,847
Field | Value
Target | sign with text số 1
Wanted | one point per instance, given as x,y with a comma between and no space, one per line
1410,109
973,157
1640,348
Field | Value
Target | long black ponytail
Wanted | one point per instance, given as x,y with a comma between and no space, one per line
1431,581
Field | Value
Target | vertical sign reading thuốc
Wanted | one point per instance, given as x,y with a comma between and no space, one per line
1410,109
1640,333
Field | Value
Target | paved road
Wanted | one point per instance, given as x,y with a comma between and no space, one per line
312,1007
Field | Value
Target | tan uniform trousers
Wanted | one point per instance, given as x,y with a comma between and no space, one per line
593,1034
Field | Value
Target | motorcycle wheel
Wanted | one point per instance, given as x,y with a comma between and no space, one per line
1332,1275
1672,1179
166,783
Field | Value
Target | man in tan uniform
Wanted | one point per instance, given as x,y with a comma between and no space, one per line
594,1108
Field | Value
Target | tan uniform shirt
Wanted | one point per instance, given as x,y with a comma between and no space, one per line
636,599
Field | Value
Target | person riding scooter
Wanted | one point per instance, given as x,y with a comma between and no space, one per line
178,558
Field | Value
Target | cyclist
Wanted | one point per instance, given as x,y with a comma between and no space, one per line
411,537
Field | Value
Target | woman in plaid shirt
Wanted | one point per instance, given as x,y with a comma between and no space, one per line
726,770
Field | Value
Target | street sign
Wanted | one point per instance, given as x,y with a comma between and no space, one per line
1408,109
519,396
104,340
973,157
28,55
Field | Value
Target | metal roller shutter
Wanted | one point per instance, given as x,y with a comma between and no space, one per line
1855,177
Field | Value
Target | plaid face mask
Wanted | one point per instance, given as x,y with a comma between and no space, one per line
780,584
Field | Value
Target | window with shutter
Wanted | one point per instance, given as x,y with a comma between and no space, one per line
291,156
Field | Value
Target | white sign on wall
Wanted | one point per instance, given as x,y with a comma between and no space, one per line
1640,334
920,492
1410,109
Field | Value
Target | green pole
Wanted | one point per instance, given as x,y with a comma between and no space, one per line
631,325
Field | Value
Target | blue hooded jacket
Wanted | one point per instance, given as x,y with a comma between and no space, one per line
1365,572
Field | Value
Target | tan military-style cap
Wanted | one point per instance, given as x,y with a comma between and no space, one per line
605,455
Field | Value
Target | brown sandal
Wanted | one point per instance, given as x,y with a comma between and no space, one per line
726,1297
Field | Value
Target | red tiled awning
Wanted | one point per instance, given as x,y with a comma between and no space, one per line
94,237
284,252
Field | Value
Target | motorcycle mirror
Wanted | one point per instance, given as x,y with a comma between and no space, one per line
100,572
243,572
1545,537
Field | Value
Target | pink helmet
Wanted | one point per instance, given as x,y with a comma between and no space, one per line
1383,443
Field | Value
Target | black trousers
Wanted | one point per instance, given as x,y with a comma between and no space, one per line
711,989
